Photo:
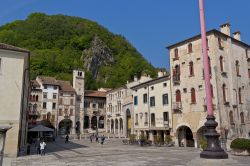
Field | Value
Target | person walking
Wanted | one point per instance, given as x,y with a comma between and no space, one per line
102,139
67,139
97,139
91,138
42,147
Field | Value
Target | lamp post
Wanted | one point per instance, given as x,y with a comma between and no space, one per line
3,130
213,149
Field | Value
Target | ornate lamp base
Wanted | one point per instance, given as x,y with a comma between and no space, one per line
213,149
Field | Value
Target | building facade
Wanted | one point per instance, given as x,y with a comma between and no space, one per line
152,108
229,78
94,111
14,81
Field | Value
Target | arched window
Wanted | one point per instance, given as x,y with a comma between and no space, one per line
190,48
30,97
191,68
33,98
219,42
231,118
221,64
237,68
224,93
176,56
36,97
240,97
178,96
193,97
242,118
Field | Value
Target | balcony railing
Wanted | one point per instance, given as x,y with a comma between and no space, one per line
177,106
176,79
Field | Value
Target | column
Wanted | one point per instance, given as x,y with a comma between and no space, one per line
151,137
119,129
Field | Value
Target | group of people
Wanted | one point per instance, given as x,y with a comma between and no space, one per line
40,146
96,137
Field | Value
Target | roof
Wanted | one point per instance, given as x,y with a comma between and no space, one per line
12,48
119,88
65,86
35,83
151,81
91,93
48,80
215,31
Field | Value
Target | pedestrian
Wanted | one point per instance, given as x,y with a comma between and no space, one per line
102,139
42,147
67,139
97,139
91,138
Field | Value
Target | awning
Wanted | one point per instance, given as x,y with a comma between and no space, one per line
40,128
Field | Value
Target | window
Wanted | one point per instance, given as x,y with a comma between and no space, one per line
152,87
242,118
36,97
145,98
240,97
35,107
176,56
165,99
44,105
54,95
237,68
78,98
54,106
45,95
224,93
60,112
86,104
220,43
93,105
221,64
135,100
193,97
165,116
191,68
152,119
190,48
71,112
165,84
136,119
79,73
33,98
231,118
146,117
61,94
45,86
55,87
152,101
71,102
178,96
61,101
44,117
101,105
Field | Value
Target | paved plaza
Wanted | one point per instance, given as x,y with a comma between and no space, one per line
114,153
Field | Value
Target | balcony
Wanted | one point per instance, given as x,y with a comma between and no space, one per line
176,79
177,106
109,114
118,113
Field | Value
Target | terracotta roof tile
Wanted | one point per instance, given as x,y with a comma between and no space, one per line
91,93
65,86
34,83
13,48
48,80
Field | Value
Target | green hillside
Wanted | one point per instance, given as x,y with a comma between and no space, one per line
60,43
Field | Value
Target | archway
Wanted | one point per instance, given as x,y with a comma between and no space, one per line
112,126
121,125
86,122
185,137
128,122
65,126
101,122
116,126
94,122
200,134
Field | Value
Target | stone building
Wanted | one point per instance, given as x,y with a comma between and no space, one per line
119,109
14,94
229,72
94,111
152,108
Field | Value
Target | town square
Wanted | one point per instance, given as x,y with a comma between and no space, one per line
124,83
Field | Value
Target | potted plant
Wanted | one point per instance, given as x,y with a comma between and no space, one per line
203,143
158,141
168,140
241,146
132,138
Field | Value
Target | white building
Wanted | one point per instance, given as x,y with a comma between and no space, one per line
152,108
230,73
14,93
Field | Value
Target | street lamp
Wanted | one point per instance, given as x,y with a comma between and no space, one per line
3,130
213,149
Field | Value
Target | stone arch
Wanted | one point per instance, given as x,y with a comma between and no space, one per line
185,137
65,126
116,125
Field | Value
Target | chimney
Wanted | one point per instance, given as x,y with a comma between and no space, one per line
225,28
160,73
236,35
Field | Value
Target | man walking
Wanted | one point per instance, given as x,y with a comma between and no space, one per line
67,139
42,147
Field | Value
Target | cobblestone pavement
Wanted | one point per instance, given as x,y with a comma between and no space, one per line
114,153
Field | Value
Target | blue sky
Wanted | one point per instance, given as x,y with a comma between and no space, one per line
150,25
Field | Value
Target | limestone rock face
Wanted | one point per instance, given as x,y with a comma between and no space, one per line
96,56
